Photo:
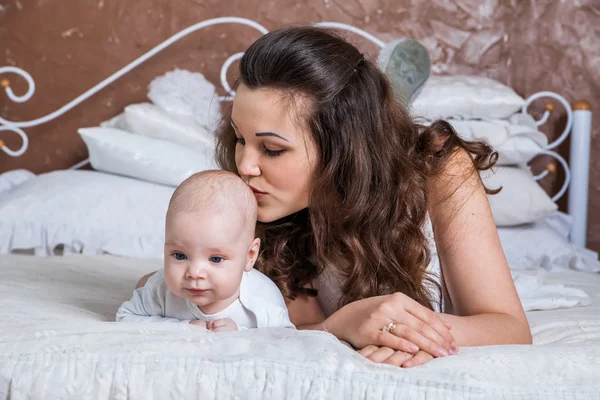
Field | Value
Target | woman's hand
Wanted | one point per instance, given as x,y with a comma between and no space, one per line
413,327
398,358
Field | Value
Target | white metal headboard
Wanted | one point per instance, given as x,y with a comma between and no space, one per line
578,121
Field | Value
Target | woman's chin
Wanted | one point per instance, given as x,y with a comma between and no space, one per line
268,215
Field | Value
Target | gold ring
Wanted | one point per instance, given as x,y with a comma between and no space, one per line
389,327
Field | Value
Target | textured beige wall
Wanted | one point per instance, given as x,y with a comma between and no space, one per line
69,45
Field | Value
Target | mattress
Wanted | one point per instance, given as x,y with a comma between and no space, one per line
58,340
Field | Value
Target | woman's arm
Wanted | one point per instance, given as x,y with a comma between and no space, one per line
475,270
305,312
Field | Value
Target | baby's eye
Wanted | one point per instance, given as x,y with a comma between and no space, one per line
180,256
216,259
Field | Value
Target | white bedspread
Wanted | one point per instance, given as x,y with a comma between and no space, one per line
56,342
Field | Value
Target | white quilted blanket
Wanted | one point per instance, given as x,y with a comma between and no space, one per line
57,342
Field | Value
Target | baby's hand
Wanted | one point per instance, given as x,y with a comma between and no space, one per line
198,322
221,325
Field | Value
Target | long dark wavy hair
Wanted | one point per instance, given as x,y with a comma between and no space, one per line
369,193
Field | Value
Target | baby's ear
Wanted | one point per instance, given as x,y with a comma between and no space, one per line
253,252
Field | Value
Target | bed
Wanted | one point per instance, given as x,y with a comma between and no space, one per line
58,341
58,338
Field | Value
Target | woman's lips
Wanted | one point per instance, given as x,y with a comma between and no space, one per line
257,193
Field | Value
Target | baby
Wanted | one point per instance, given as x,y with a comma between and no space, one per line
210,250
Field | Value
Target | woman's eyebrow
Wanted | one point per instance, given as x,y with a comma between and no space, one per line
259,134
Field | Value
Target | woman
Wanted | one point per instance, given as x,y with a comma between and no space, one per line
346,185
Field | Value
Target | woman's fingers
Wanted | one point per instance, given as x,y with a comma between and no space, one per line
418,359
406,339
425,344
367,351
385,355
427,332
432,320
381,354
446,323
398,358
389,339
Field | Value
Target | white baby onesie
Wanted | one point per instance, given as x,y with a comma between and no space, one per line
260,304
236,311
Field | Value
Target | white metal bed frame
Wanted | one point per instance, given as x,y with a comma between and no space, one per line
578,121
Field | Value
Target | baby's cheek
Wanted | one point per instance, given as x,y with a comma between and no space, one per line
228,285
172,280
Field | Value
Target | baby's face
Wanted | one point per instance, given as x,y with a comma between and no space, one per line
205,258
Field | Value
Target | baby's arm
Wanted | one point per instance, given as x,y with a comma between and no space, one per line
268,304
282,320
275,313
145,306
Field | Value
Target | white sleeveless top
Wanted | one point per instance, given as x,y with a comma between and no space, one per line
329,283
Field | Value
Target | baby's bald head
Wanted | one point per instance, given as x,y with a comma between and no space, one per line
219,193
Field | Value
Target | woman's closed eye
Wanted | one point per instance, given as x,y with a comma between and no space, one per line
179,256
269,152
272,153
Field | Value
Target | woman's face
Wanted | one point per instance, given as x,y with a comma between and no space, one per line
274,155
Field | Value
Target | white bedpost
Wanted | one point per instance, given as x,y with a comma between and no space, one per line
580,167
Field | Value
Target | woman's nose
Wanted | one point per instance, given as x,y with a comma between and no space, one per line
248,162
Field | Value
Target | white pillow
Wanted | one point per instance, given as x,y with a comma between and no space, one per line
123,153
12,179
151,121
517,139
544,244
521,199
466,97
517,150
117,122
86,211
187,94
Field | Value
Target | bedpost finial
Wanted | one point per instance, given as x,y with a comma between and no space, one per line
582,104
1,143
549,107
5,83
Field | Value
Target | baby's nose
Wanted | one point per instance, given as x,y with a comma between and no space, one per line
197,271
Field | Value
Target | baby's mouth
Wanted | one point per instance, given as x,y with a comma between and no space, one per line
198,292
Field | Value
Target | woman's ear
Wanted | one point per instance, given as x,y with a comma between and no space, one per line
253,252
